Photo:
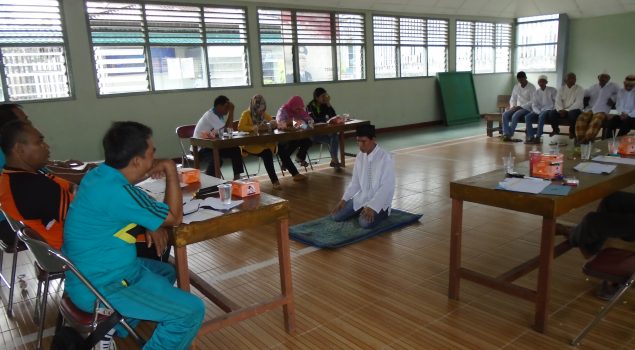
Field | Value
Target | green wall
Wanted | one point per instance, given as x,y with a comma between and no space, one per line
600,43
74,128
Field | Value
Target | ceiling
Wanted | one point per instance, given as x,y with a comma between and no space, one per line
486,8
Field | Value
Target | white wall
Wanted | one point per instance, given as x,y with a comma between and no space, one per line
74,128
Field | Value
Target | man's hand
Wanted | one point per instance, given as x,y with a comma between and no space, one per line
159,239
211,134
161,168
230,107
368,214
338,207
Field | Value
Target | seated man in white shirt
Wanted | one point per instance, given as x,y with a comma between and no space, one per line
369,195
601,98
542,104
625,106
569,104
211,124
519,106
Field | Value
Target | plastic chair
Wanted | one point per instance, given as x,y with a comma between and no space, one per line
184,132
11,247
104,317
611,265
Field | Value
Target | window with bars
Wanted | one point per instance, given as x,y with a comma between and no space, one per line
140,47
409,47
302,46
537,43
483,47
33,63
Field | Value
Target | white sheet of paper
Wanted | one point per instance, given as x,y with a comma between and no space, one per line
208,181
595,168
524,185
201,215
215,203
618,160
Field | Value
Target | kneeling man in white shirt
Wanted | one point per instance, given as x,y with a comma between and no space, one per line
369,195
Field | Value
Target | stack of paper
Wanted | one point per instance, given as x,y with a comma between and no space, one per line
527,185
595,168
612,159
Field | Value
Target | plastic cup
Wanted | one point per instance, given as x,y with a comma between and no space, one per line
230,132
612,147
221,134
585,151
508,164
225,192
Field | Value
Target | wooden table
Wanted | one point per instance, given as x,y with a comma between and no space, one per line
276,136
255,211
481,189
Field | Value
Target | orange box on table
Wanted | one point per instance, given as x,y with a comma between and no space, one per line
548,166
244,188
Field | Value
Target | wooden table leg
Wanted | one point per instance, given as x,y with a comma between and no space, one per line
455,248
217,172
342,150
197,161
182,270
544,273
284,260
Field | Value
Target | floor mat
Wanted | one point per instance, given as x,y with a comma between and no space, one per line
326,233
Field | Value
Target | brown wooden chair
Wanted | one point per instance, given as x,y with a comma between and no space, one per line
184,132
502,103
615,266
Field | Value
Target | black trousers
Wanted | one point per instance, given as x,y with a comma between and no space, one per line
554,119
285,149
267,159
614,218
233,153
623,126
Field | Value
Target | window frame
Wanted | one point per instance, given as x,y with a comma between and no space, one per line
495,40
334,45
147,47
398,45
537,19
4,87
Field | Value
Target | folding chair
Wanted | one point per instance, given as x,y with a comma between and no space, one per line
13,246
104,316
184,132
612,265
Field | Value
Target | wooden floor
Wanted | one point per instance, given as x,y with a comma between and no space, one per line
388,292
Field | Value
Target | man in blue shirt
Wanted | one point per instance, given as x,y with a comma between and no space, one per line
99,238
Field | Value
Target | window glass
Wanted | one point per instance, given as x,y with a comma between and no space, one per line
178,67
32,50
152,47
537,43
311,43
483,47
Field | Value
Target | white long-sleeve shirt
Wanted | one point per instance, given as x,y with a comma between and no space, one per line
522,96
599,96
570,98
373,183
626,102
208,122
544,100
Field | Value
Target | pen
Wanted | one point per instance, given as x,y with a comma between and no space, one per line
536,178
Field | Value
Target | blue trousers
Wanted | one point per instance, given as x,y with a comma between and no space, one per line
332,140
151,295
533,117
348,212
511,119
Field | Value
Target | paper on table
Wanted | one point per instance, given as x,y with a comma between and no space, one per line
209,181
595,168
523,185
201,215
216,203
618,160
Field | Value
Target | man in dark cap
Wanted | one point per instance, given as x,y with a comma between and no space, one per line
369,195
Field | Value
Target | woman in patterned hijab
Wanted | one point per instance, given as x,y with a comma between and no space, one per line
258,106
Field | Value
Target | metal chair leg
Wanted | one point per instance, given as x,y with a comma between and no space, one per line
604,311
12,286
38,296
40,331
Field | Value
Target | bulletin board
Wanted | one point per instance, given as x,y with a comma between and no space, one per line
459,97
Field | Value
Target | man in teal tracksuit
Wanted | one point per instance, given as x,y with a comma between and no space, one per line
99,238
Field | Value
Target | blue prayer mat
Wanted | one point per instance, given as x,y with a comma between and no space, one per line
326,233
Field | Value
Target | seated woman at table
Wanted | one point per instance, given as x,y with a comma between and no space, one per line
321,111
256,116
292,115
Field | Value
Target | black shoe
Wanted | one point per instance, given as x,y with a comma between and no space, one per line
555,131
